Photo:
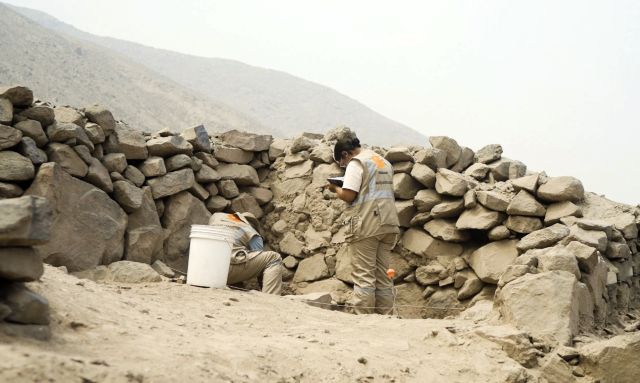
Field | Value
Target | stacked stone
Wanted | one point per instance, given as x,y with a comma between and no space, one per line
465,218
118,193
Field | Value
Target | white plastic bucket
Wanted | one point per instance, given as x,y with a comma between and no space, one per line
209,256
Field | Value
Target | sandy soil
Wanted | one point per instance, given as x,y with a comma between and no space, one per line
167,332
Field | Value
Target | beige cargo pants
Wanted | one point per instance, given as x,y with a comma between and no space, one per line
269,263
370,261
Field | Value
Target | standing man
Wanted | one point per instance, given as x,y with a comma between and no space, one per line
248,260
372,222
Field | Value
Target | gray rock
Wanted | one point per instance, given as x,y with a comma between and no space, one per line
68,159
41,113
421,243
556,258
506,169
25,221
525,204
523,225
406,211
559,189
478,171
207,159
489,153
144,234
8,190
617,250
498,233
278,148
559,210
29,149
134,175
127,195
171,183
445,229
449,145
597,239
232,155
586,256
303,169
98,175
162,269
470,288
177,162
405,167
291,245
199,191
115,176
153,167
432,157
466,159
94,133
448,209
528,183
405,186
84,153
63,131
33,129
14,167
98,152
470,200
301,143
426,199
128,141
398,154
451,183
321,154
490,261
18,95
479,218
198,138
262,195
26,306
514,272
247,141
115,162
83,210
101,116
424,175
429,274
596,225
181,211
132,272
20,264
546,237
243,175
207,175
67,114
217,203
493,200
245,203
228,189
9,137
311,269
169,146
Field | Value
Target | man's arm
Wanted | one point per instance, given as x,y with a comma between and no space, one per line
346,195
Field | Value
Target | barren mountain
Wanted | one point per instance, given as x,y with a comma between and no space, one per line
65,70
281,102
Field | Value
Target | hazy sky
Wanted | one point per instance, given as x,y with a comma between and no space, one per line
557,83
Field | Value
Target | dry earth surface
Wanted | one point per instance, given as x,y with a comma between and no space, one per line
167,332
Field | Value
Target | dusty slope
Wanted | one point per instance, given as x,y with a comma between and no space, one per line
168,332
284,103
65,70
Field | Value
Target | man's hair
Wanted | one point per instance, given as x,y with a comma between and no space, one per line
346,144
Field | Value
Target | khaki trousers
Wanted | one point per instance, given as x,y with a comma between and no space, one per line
370,261
269,263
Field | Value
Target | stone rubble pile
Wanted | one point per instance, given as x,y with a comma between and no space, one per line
475,225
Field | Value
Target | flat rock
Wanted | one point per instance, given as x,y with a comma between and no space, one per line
20,264
421,243
493,200
84,210
448,209
545,305
490,261
489,153
556,258
546,237
247,141
479,218
217,203
478,171
559,189
558,210
207,159
162,269
128,141
523,225
303,169
25,221
262,195
171,183
243,175
169,146
593,238
15,167
132,272
232,155
525,204
445,229
528,183
398,154
311,269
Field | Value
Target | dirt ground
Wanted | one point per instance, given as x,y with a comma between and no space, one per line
167,332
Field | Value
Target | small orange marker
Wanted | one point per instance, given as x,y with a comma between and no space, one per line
391,273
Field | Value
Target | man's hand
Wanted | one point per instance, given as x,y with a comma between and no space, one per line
333,188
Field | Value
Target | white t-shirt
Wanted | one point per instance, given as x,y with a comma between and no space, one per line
353,176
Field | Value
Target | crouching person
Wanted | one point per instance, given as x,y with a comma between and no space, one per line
248,259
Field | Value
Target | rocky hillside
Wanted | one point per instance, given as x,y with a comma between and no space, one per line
282,103
69,71
481,236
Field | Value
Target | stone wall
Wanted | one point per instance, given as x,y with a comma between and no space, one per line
475,225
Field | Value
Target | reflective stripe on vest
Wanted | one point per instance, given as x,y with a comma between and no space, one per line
373,166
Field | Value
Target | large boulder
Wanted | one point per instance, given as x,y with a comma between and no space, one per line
525,204
479,218
302,169
421,243
88,226
25,221
593,238
546,237
14,167
171,183
466,159
144,234
398,154
451,183
561,189
491,260
544,304
181,211
247,141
